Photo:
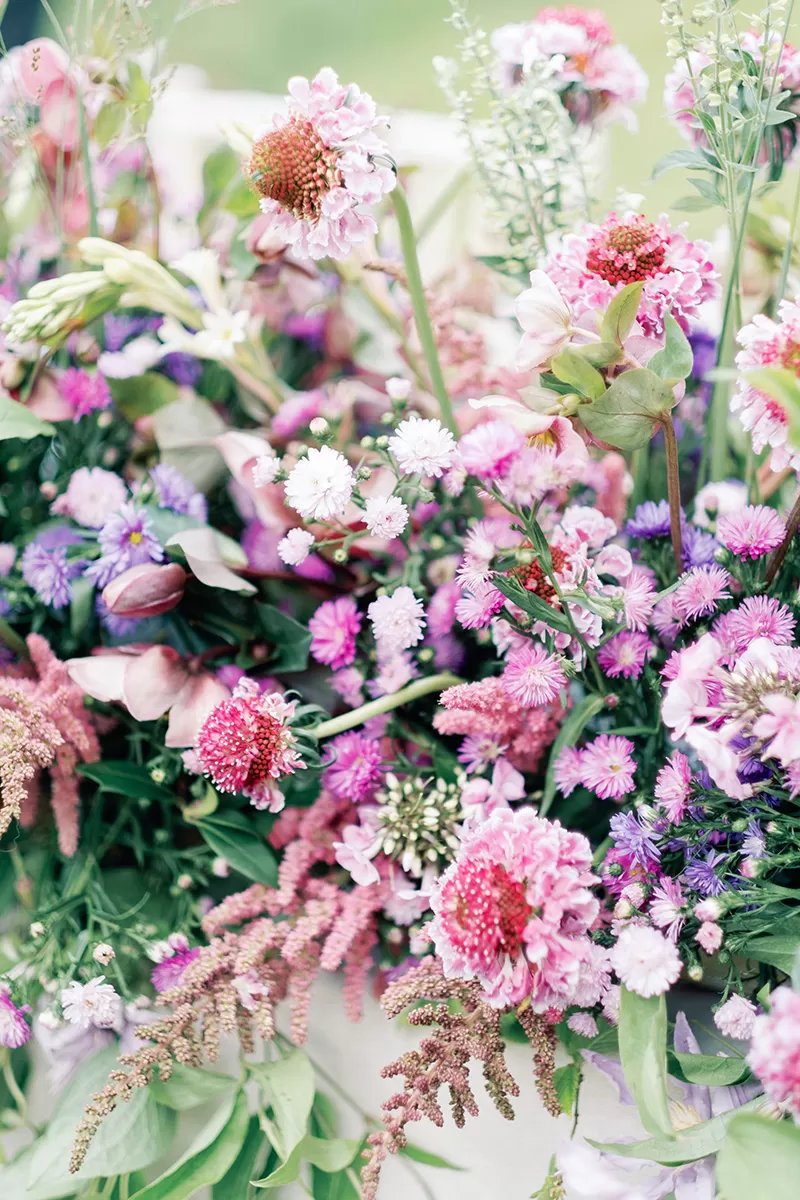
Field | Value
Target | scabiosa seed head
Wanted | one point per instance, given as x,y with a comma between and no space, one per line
419,822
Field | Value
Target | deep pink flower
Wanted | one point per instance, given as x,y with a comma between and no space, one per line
14,1029
625,654
352,766
169,972
84,392
335,626
608,768
674,786
533,677
752,531
775,1049
478,604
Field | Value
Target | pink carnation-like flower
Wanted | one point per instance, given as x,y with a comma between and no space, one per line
479,603
592,265
533,677
489,449
568,770
780,725
398,620
245,744
645,961
14,1029
334,628
752,531
674,786
320,167
625,654
775,1049
700,591
91,497
607,766
514,910
768,343
84,393
386,516
709,937
667,908
756,617
352,766
736,1018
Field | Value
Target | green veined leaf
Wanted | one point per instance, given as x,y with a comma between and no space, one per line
417,1154
708,1069
573,369
17,421
627,415
250,1161
621,314
125,779
292,641
189,1086
328,1154
692,159
567,1082
568,735
210,1155
246,852
778,951
690,1145
676,360
759,1157
692,204
643,1053
108,122
530,603
288,1085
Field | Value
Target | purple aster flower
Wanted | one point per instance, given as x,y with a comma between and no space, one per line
118,627
120,328
699,546
307,327
85,393
183,369
49,573
175,491
754,843
127,540
633,837
701,875
650,520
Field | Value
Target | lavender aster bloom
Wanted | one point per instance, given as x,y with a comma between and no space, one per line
650,520
127,540
120,328
175,491
183,369
699,547
635,838
118,627
49,573
701,875
754,844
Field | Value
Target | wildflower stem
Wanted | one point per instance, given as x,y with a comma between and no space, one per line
420,306
375,708
16,1091
776,561
673,488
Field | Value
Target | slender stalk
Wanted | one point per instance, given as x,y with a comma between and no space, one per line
776,561
375,708
786,260
673,489
12,639
420,306
14,1088
442,203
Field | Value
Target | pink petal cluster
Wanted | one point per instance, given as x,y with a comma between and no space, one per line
486,709
533,677
334,628
768,343
605,766
625,654
353,766
514,911
752,531
775,1048
645,961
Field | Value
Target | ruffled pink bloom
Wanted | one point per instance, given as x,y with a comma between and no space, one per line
667,909
645,961
352,766
91,497
755,617
348,683
709,937
625,654
700,591
533,677
488,450
775,1048
780,725
334,628
479,603
477,752
83,392
638,600
752,531
687,694
514,910
768,343
568,770
607,766
398,620
321,166
355,853
674,786
736,1018
14,1029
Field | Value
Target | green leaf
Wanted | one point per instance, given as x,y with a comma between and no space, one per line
621,313
250,1161
17,421
710,1070
125,779
796,972
288,1085
210,1155
328,1154
599,354
81,606
189,1086
142,395
108,122
573,369
676,360
691,1144
643,1053
220,168
567,1081
568,735
778,951
417,1154
760,1157
692,204
292,641
626,416
530,603
692,159
246,852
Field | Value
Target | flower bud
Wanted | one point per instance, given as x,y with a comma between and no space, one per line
103,953
146,590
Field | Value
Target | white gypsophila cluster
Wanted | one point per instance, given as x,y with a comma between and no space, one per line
530,157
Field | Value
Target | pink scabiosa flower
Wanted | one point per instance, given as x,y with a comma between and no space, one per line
533,677
488,450
607,766
14,1029
352,765
321,165
775,1048
752,531
592,265
568,770
320,485
422,447
625,654
91,497
83,392
386,516
768,343
700,591
645,961
674,786
334,628
398,621
246,744
736,1018
514,910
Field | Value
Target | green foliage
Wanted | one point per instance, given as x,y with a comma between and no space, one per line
567,1082
530,603
327,1154
17,421
778,950
628,414
643,1053
417,1154
142,395
125,779
621,314
676,360
189,1086
288,1086
573,369
760,1157
690,1145
708,1070
290,639
249,1162
233,837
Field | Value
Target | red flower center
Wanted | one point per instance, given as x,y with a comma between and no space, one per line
533,578
624,251
487,911
239,745
293,166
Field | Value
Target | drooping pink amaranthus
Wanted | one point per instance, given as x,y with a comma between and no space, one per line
43,725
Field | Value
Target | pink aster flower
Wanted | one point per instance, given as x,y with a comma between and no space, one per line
736,1018
514,910
608,768
645,961
638,600
625,654
478,604
14,1029
752,531
479,751
667,909
775,1048
768,343
755,617
352,766
674,786
334,628
83,392
780,725
398,620
533,677
709,937
488,450
568,770
246,744
349,684
91,497
700,591
592,265
320,167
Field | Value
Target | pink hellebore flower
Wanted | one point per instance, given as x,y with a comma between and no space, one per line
781,723
686,696
150,681
546,321
146,590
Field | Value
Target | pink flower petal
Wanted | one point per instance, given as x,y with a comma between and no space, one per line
152,682
198,696
203,554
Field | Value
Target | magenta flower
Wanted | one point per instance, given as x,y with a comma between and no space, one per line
625,654
170,971
334,627
478,604
352,766
127,540
608,768
489,449
477,752
700,592
674,786
83,392
14,1029
533,677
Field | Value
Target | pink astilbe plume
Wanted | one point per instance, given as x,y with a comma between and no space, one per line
43,725
485,708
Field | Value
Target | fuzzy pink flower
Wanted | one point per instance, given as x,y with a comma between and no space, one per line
514,910
352,766
625,654
674,786
533,677
320,167
736,1018
638,600
246,744
583,1024
568,770
768,343
83,392
755,617
349,684
91,497
709,937
398,620
334,628
780,725
667,909
645,961
169,972
478,604
752,531
608,768
700,591
775,1049
14,1029
488,450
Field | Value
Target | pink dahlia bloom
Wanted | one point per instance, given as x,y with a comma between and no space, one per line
321,165
775,1049
514,911
768,343
593,264
246,744
533,677
334,629
607,766
752,531
352,766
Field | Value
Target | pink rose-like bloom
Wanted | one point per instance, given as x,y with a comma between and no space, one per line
488,450
334,628
398,621
736,1018
625,654
709,937
607,766
324,212
768,343
674,786
752,531
514,910
352,766
91,497
592,265
533,677
775,1048
780,725
645,961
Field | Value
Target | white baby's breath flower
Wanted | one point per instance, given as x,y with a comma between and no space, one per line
265,468
294,548
422,447
103,954
94,1003
321,484
386,516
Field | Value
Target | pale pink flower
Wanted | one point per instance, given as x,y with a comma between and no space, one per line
94,1003
479,604
583,1024
91,497
645,961
607,767
546,321
780,726
568,770
398,620
758,617
395,670
321,484
752,531
265,468
533,677
386,516
709,937
686,695
736,1018
489,449
14,1029
355,852
422,447
611,1004
708,909
334,628
348,683
293,549
775,1048
625,654
667,908
720,760
638,600
768,343
674,786
700,591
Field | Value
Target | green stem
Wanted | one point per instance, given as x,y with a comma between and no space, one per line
673,489
16,1091
787,250
420,306
12,639
375,708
